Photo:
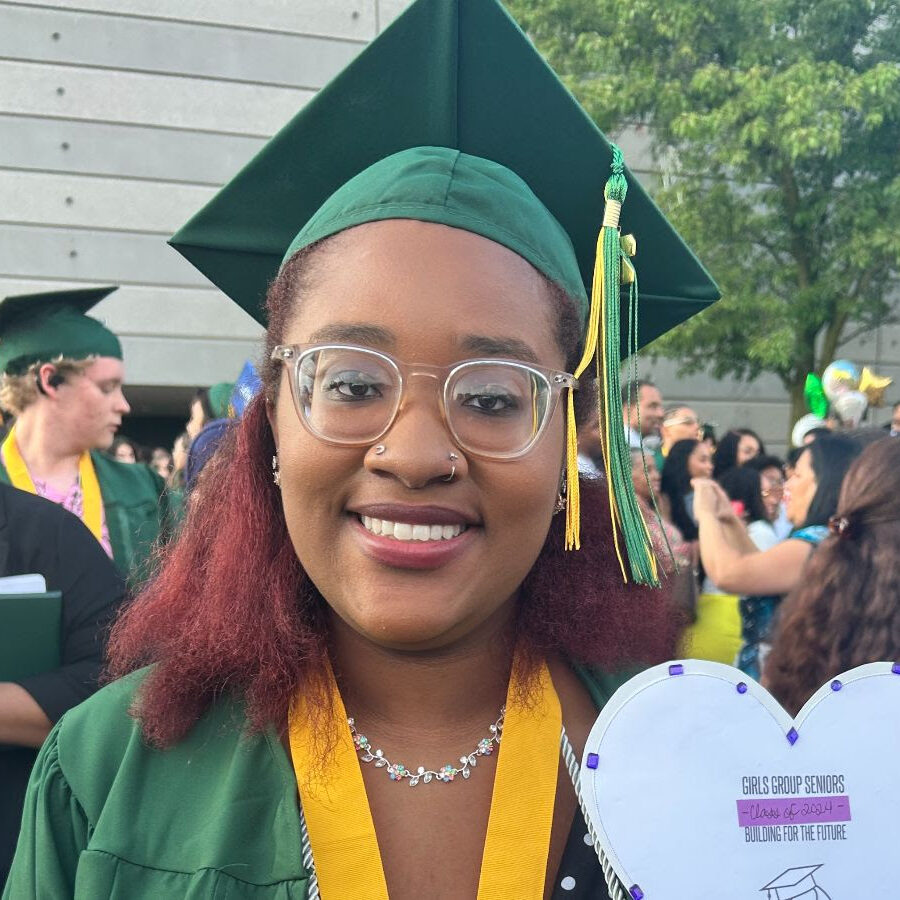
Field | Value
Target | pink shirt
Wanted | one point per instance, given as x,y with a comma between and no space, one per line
73,501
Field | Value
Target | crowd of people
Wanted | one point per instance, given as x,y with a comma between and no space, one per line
745,535
431,528
208,405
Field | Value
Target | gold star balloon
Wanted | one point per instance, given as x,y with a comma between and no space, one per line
874,386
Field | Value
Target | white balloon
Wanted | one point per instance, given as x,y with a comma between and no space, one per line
803,426
850,408
839,377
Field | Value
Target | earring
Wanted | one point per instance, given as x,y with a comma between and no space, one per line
562,501
276,472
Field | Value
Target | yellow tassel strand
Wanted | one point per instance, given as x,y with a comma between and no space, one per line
573,508
611,269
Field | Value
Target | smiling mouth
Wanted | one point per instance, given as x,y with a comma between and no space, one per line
404,531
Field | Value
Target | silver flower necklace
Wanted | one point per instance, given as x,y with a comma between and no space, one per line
399,772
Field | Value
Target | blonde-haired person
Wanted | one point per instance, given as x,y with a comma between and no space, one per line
62,378
680,423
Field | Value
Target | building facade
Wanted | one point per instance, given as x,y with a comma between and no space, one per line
120,118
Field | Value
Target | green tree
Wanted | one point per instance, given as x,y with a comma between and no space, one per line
776,124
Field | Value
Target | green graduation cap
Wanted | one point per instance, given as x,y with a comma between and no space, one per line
452,116
43,327
220,399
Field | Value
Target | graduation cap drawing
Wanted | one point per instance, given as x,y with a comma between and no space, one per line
799,882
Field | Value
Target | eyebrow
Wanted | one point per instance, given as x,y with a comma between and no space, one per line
354,333
481,345
369,334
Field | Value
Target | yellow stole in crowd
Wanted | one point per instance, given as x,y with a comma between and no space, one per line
92,501
340,824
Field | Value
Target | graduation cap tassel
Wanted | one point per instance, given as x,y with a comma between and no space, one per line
604,327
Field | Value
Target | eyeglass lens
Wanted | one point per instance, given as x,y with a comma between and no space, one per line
351,395
773,486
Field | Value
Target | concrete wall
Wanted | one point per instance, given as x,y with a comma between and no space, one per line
120,118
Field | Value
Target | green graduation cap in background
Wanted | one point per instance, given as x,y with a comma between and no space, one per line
452,116
47,326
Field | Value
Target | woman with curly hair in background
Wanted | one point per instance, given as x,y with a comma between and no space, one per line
845,612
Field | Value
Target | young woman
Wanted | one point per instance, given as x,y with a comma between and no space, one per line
743,486
375,587
736,447
124,450
845,612
772,477
687,460
731,558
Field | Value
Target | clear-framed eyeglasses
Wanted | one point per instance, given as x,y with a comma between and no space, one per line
772,487
349,395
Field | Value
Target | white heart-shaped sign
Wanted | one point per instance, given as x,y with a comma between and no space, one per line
699,786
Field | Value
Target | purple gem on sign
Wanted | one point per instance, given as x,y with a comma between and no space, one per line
836,685
896,668
792,736
593,761
675,669
742,687
636,892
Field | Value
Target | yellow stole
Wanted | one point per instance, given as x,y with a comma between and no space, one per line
342,834
92,501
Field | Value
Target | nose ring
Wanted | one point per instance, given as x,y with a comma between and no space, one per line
379,449
452,475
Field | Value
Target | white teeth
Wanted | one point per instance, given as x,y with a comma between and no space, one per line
403,531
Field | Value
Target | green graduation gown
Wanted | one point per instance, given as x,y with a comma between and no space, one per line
136,507
215,816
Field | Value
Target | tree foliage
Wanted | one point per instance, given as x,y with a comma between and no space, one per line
776,124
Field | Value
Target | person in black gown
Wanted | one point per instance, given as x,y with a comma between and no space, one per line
39,537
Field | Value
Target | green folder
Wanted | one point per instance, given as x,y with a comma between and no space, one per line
29,634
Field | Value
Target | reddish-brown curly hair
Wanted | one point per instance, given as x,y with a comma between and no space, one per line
845,612
231,609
